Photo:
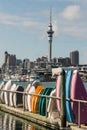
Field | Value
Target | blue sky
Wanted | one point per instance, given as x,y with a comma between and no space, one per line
23,26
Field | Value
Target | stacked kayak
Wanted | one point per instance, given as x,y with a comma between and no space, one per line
75,90
42,103
69,112
78,92
36,99
52,107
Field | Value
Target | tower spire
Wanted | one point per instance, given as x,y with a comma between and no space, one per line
50,35
50,16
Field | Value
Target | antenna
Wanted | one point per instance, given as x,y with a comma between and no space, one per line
50,16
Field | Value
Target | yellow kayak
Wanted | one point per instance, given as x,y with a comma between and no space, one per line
36,99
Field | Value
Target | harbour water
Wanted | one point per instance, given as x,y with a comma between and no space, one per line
46,84
10,122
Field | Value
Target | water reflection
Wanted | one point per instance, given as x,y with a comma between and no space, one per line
9,122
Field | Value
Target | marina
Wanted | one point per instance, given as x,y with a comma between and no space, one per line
43,83
36,105
20,112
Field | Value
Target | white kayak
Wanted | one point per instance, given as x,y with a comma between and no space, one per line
1,88
52,106
6,94
25,100
13,87
29,98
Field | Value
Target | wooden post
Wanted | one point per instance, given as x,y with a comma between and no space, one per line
63,100
24,101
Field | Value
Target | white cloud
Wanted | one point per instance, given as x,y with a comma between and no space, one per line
75,31
17,21
71,12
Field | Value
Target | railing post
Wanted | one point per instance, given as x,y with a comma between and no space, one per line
8,95
46,106
79,115
24,101
63,100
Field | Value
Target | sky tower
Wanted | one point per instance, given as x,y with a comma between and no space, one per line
50,35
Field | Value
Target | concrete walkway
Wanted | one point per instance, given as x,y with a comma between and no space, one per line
38,119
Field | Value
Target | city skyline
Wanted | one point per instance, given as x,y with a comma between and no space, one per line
24,25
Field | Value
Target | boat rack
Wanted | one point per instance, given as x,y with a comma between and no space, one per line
42,120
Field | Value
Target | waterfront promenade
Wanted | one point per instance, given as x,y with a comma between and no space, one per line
36,118
54,124
18,101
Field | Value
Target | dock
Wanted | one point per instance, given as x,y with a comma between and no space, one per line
38,119
17,107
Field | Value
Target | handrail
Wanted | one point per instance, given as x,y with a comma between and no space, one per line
41,95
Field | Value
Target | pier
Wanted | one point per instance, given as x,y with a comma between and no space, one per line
20,111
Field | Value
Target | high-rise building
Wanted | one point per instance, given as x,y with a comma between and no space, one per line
74,57
50,35
64,61
26,63
5,57
9,61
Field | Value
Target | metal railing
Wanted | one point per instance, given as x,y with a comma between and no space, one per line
52,97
